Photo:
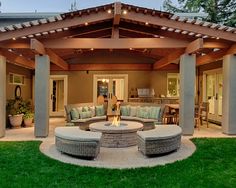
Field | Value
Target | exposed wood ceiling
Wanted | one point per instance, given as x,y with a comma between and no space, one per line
140,32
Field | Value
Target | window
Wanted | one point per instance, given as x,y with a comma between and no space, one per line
16,79
172,85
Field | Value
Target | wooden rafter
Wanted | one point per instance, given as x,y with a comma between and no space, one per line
76,43
172,57
39,48
117,13
17,59
165,22
75,21
194,46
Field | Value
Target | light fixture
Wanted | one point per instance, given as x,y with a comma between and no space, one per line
125,12
109,11
130,48
10,50
13,38
20,55
86,23
146,23
91,49
103,80
217,38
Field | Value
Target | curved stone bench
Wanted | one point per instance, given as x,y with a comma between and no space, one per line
162,139
74,141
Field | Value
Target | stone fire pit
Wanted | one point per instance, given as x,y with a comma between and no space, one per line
113,136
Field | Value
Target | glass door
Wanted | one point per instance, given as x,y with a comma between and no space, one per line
213,93
58,95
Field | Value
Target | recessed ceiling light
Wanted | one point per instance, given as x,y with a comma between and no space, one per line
10,50
109,11
91,49
146,23
217,38
125,12
86,23
130,48
13,38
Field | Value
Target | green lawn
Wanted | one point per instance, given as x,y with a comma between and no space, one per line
212,165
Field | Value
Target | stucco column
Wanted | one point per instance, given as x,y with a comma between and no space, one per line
187,83
2,96
229,95
42,72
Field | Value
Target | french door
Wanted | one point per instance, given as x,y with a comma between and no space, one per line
58,94
110,85
213,89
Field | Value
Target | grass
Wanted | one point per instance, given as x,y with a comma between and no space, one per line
212,165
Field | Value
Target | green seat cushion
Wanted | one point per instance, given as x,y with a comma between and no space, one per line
143,112
99,110
84,115
125,110
133,111
74,114
154,112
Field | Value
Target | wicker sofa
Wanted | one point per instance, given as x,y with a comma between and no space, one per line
77,142
148,123
163,139
83,123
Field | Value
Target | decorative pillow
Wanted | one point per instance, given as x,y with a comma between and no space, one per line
92,109
125,110
154,112
138,111
79,109
133,111
85,109
99,110
143,112
74,114
84,115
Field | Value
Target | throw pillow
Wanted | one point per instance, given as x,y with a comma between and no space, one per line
99,110
143,113
154,112
125,110
79,109
133,111
92,109
84,115
74,114
85,109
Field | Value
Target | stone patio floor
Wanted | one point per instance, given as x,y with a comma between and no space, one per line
120,158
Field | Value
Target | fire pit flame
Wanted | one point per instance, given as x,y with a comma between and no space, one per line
115,122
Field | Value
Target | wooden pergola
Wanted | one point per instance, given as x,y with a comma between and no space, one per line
163,38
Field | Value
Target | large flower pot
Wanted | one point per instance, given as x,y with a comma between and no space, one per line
28,122
16,120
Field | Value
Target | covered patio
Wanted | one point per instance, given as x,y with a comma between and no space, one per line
147,41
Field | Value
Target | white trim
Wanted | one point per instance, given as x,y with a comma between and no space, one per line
109,76
65,79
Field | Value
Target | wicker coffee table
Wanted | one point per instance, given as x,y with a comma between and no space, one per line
117,137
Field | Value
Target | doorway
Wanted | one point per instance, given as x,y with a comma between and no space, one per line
58,94
213,89
109,85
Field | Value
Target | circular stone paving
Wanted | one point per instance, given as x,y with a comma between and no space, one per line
120,158
121,136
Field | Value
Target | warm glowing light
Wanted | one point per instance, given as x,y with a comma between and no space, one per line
109,11
146,23
86,23
130,48
218,38
115,121
14,38
125,12
91,49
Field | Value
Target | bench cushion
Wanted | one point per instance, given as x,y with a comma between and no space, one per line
160,132
75,134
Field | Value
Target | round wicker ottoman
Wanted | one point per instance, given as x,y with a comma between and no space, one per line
73,141
162,139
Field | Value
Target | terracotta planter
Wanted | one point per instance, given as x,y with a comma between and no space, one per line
28,122
16,120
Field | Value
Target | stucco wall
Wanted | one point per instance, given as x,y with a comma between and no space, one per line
26,89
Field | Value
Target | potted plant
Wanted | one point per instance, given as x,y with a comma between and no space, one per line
28,119
14,112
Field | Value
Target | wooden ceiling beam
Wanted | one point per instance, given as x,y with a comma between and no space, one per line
126,43
117,13
39,48
166,22
17,59
168,59
75,21
194,46
115,33
105,67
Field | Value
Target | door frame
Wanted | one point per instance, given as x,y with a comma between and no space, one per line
108,76
65,79
215,72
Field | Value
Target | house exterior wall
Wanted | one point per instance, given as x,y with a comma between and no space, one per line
26,89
